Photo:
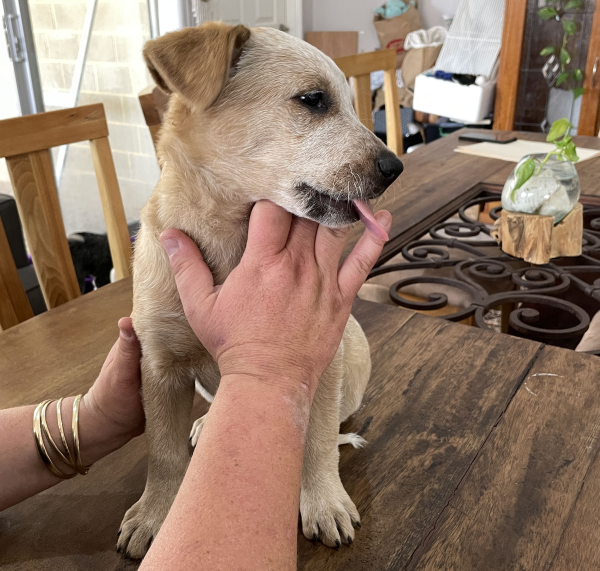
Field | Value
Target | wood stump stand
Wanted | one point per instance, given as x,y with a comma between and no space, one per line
536,239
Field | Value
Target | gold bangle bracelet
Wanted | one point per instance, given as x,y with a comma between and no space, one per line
39,440
75,425
62,430
41,430
67,460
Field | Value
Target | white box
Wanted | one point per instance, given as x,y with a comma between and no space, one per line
463,103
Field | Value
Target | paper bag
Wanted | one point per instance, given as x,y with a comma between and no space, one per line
392,32
417,61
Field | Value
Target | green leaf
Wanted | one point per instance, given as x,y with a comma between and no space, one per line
562,78
571,152
569,27
578,92
572,4
564,141
547,13
558,129
548,50
565,56
577,74
523,173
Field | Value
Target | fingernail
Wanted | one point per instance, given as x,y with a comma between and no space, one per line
337,543
384,218
349,540
358,524
170,245
126,334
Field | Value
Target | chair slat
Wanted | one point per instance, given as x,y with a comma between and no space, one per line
112,205
46,130
14,305
359,67
364,106
363,64
392,120
32,179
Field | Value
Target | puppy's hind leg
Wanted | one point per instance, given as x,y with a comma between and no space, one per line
168,394
357,370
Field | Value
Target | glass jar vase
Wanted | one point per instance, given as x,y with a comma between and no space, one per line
553,189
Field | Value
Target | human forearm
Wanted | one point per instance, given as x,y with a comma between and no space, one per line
22,470
238,505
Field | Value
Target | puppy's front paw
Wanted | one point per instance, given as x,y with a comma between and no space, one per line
139,528
328,513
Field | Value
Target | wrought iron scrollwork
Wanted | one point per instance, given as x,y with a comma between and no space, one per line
552,303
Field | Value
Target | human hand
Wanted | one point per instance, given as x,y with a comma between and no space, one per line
282,311
111,412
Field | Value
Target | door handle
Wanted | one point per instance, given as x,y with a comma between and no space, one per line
595,71
14,39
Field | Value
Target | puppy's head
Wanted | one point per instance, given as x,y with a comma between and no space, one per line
268,116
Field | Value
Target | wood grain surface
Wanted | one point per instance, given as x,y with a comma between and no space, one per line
32,178
515,13
112,205
516,500
52,129
589,118
14,304
334,44
364,64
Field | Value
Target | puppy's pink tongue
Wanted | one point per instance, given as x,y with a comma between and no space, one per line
368,219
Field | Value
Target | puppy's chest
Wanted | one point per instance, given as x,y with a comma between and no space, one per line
223,254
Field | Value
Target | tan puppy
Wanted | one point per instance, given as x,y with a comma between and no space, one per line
253,115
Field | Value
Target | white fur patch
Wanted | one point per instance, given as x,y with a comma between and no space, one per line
351,438
203,392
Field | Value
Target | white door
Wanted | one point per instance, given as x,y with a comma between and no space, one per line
253,13
258,13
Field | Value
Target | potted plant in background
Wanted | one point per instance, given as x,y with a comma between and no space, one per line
564,79
547,185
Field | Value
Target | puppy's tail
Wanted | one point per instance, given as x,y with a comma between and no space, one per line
351,438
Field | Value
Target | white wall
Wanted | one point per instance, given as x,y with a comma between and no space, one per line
347,15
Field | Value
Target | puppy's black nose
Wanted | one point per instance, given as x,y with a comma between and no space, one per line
389,166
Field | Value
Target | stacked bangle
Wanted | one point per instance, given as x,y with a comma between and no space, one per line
40,431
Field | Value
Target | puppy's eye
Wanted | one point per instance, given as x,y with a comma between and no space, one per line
314,100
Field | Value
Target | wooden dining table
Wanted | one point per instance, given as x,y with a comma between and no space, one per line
482,447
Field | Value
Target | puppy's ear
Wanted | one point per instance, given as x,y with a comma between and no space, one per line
195,62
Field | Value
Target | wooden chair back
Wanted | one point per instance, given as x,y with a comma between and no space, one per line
334,44
154,105
360,67
25,142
